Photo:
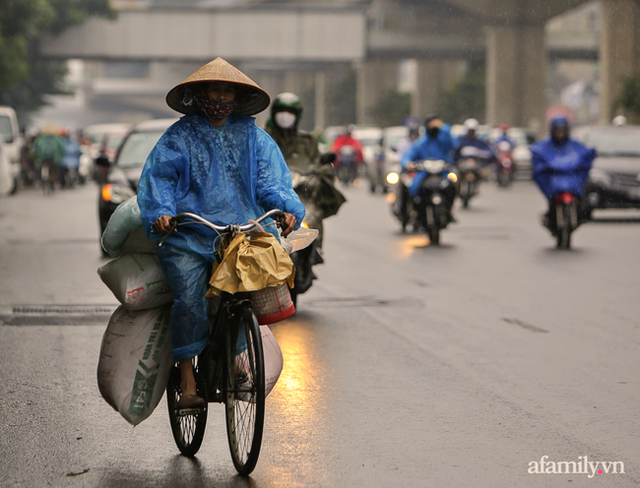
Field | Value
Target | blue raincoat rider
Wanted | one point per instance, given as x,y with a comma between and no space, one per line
560,164
471,145
217,163
436,143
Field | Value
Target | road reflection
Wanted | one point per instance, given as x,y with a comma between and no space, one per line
410,244
300,402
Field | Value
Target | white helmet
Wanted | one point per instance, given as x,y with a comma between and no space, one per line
471,124
620,120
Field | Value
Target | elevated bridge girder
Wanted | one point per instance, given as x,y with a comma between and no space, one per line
372,35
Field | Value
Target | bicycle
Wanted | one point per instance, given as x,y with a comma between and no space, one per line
230,370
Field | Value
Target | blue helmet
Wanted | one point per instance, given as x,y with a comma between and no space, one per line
559,122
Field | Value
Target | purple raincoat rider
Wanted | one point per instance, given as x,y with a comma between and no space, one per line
217,163
560,164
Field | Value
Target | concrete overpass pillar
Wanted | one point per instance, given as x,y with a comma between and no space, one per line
373,78
516,75
619,51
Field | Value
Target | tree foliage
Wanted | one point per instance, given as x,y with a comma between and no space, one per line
25,76
465,97
391,108
629,99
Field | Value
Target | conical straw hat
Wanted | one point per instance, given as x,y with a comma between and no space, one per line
220,70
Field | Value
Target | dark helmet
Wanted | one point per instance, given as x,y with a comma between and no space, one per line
287,102
559,122
429,118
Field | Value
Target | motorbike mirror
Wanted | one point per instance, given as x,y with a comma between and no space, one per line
327,158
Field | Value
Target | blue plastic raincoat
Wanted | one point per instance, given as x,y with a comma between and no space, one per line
561,167
228,175
426,147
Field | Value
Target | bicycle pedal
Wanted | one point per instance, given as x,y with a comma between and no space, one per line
183,412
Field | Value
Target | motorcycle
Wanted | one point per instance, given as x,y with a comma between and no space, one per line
469,166
347,164
321,200
429,210
564,217
505,165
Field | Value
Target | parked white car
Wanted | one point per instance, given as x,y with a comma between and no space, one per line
13,143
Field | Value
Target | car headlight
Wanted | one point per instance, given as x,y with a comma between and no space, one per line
116,194
599,177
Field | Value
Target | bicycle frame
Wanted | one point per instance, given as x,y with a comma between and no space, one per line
230,370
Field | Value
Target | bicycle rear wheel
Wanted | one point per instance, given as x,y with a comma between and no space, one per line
244,389
187,426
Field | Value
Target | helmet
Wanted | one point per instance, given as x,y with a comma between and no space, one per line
287,102
620,120
471,124
559,122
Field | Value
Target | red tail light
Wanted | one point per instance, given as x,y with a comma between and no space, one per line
564,197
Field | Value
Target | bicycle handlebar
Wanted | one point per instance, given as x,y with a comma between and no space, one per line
196,219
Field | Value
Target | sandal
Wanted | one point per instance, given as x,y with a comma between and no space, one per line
190,401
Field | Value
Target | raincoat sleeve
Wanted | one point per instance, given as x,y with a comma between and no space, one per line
411,153
159,180
274,188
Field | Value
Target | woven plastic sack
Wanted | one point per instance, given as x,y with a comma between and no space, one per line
135,360
124,233
137,281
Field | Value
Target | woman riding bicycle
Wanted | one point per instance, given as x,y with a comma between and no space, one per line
217,163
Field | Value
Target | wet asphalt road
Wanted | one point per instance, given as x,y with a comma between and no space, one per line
406,364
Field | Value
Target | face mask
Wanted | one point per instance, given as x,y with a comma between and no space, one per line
285,120
214,110
433,131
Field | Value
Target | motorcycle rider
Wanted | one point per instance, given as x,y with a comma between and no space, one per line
504,137
406,142
436,143
560,164
470,139
301,153
347,139
313,179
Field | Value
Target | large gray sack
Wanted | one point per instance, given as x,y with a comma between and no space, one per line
124,233
135,361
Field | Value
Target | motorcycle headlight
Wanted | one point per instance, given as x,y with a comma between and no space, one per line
452,177
393,178
116,194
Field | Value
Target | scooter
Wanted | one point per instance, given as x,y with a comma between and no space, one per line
564,217
468,165
321,200
430,208
347,164
505,173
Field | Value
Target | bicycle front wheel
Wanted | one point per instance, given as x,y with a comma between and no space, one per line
244,389
187,426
